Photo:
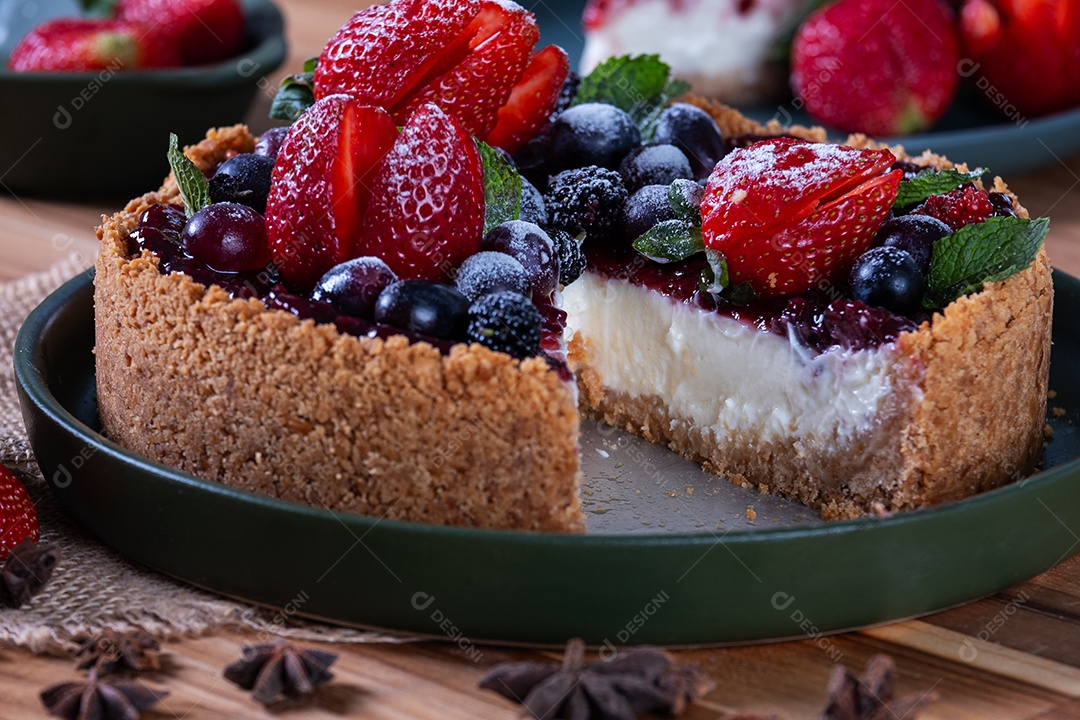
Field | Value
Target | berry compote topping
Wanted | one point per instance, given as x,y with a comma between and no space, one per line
819,319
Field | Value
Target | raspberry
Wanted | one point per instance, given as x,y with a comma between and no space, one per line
506,322
571,259
961,206
586,199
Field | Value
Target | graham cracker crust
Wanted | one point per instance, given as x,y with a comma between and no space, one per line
259,400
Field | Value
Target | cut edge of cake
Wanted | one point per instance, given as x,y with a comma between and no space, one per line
968,413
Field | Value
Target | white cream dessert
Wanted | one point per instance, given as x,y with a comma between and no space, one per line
726,49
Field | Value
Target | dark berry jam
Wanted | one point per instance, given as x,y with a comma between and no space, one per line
819,319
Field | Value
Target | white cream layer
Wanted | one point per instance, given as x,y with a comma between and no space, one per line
721,374
723,51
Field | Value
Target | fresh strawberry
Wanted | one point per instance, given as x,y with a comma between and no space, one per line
18,517
879,67
81,44
203,31
501,39
1024,54
959,207
321,186
386,51
427,206
789,214
467,56
522,117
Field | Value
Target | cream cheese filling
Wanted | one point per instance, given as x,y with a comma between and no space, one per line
720,374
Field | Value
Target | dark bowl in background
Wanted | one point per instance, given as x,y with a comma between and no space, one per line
106,133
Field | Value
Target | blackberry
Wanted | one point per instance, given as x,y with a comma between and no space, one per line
506,322
532,204
654,165
571,259
592,134
586,199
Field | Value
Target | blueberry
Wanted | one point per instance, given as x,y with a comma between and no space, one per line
644,209
532,204
487,272
914,234
353,286
693,131
528,244
654,165
1003,204
507,322
244,179
888,277
592,134
227,237
270,142
425,308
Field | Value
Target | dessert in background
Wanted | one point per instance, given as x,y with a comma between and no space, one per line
142,35
1023,54
731,50
876,66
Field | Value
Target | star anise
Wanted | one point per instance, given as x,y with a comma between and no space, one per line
25,572
99,698
871,696
277,670
636,681
114,651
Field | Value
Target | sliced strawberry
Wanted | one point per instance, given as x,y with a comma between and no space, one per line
321,186
18,517
788,214
501,38
385,52
532,100
427,206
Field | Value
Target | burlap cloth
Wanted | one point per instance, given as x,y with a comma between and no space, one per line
95,588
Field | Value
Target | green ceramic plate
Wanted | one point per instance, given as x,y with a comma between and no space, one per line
671,587
105,133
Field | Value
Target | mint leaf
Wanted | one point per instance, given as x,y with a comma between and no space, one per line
639,84
714,278
931,182
684,196
502,187
194,188
670,241
310,64
295,96
984,252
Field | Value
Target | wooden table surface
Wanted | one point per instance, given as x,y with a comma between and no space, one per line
1010,656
